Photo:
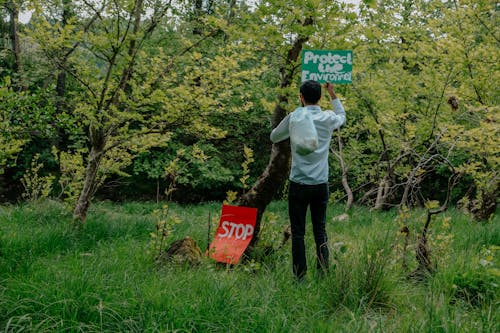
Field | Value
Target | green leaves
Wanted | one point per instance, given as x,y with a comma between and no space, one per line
22,116
370,3
175,77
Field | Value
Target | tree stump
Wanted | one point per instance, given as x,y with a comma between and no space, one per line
183,251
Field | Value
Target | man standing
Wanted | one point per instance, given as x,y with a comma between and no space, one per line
309,176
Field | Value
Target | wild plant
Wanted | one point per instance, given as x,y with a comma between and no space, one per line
72,172
479,285
165,226
374,265
233,196
36,186
358,280
402,220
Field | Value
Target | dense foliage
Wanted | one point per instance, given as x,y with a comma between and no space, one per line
152,99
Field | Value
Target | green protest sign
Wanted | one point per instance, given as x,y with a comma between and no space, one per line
327,66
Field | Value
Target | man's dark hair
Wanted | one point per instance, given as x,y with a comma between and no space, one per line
311,90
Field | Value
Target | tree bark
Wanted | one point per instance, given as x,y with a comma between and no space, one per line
268,184
347,188
62,75
423,251
13,9
345,170
382,193
89,185
276,172
98,142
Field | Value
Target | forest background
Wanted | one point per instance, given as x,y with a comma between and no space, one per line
154,100
170,103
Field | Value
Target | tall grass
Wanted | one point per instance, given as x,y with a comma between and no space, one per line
100,277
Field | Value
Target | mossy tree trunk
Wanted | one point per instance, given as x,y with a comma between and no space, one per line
91,178
275,174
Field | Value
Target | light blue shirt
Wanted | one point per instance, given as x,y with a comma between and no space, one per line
312,169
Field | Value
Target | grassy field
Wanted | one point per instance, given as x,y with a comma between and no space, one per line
102,278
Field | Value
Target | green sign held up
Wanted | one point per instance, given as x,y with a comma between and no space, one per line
327,66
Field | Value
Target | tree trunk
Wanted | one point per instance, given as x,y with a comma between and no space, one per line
89,185
98,135
345,170
382,193
62,75
423,250
276,172
98,142
16,44
268,184
406,193
347,188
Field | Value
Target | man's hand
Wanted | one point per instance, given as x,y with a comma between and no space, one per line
331,91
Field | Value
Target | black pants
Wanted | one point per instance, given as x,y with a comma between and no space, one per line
316,198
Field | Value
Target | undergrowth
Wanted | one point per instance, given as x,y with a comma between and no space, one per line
100,277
